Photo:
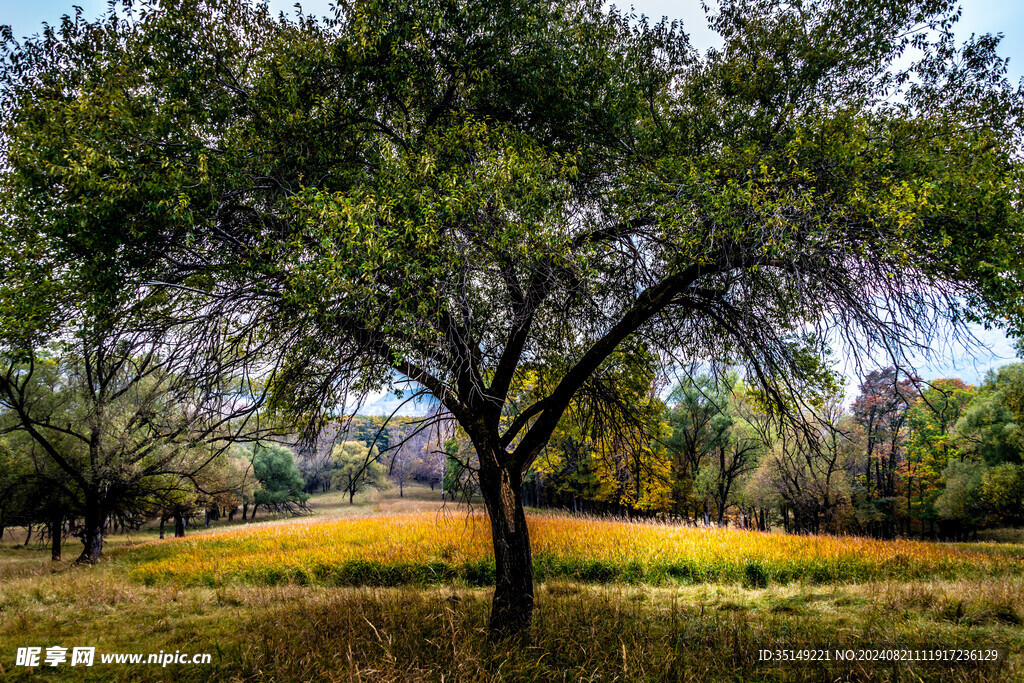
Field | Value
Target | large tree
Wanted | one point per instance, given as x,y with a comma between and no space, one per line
455,192
116,426
280,483
357,467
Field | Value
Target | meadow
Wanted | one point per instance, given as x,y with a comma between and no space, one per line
396,589
430,548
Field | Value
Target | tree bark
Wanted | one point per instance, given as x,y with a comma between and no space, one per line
56,534
512,607
163,521
179,524
92,537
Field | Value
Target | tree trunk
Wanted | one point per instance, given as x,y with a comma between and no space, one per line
351,496
92,538
56,534
179,524
163,521
512,607
401,490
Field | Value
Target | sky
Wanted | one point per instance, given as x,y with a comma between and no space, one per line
979,16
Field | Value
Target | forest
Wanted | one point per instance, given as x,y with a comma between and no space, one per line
936,459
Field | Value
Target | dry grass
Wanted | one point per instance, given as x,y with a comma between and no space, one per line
430,548
582,631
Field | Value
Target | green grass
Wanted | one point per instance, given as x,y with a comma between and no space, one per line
1006,535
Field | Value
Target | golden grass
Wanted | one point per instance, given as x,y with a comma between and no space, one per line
429,548
705,620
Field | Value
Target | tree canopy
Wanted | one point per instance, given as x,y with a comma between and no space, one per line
280,484
357,467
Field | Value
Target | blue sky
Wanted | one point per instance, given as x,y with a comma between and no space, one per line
979,16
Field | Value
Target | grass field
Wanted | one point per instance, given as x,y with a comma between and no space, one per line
394,590
427,548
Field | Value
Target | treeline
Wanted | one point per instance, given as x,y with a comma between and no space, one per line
938,459
98,436
109,432
909,457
